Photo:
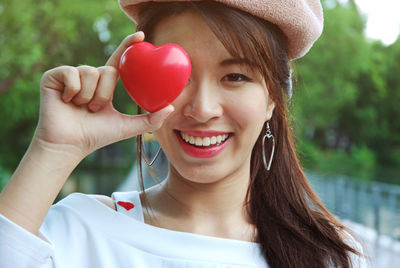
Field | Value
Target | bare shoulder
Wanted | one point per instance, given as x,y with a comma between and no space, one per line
106,200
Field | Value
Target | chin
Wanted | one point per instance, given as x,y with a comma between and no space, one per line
200,173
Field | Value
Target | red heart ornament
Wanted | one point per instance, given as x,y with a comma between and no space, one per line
126,205
154,76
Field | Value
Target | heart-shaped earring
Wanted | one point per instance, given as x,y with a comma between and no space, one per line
154,158
149,138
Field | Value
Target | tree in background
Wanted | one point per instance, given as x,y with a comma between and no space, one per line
347,98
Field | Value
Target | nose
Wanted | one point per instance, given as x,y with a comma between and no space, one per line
203,103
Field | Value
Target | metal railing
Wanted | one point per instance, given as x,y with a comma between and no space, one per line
373,204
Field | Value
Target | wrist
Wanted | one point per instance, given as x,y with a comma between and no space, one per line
67,152
51,160
36,183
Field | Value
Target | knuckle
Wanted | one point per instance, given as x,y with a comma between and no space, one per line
68,70
63,69
47,73
83,66
45,76
108,70
89,71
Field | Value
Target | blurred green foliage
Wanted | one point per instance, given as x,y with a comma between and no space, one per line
38,35
347,103
345,106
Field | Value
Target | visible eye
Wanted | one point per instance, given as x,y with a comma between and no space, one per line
236,78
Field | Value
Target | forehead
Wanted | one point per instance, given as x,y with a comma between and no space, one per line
190,31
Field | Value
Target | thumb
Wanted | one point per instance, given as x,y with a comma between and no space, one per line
134,125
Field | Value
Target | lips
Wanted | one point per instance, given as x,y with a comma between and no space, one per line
203,144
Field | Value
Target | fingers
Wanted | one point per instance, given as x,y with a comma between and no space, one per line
64,79
89,77
133,125
108,78
109,74
83,85
97,86
86,85
129,40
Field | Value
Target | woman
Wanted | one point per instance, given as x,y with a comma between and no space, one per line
235,194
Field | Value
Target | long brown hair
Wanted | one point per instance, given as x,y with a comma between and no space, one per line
294,228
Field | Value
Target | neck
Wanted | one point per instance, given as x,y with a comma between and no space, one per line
222,197
217,201
214,209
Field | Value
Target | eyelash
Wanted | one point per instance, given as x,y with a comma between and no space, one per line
236,75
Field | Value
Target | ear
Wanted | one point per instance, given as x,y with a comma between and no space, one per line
270,109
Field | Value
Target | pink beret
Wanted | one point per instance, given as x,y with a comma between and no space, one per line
300,20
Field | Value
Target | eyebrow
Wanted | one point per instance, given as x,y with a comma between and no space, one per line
235,61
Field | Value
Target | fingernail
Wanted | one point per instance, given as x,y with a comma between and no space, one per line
167,111
66,98
94,107
139,32
169,108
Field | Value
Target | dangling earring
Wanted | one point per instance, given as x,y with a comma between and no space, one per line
153,160
268,135
150,163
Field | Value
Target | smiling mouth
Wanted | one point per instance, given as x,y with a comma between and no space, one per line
203,142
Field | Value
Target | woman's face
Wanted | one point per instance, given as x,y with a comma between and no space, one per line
219,114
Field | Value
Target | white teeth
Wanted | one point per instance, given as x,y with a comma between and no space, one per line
199,141
213,140
204,141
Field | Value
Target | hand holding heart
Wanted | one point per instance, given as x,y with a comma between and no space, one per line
76,111
154,76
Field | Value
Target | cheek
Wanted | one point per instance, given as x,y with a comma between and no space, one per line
248,109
